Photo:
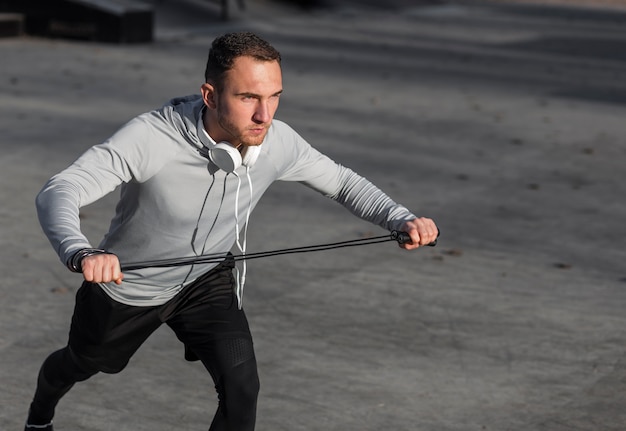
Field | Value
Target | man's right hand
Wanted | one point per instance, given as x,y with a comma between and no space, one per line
102,268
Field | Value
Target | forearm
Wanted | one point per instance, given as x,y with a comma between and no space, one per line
368,202
58,206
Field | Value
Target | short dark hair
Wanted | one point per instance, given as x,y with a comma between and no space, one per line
225,49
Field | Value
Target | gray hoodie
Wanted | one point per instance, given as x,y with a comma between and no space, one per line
174,202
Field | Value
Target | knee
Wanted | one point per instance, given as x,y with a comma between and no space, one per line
242,382
247,378
93,365
62,368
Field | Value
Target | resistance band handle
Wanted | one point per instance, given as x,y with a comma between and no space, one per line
404,238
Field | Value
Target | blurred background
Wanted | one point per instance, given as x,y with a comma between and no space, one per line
502,120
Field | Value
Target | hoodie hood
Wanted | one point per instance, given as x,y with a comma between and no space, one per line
182,113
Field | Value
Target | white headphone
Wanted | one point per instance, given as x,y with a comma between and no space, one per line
223,154
228,158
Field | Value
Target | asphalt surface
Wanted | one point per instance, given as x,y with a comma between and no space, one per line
503,123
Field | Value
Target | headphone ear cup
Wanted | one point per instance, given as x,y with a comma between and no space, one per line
225,156
251,154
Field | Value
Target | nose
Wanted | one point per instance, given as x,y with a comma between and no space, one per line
262,113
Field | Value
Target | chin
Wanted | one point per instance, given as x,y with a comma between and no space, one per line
253,142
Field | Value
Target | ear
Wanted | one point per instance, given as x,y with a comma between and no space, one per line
208,95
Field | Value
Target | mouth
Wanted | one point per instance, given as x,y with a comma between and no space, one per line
258,130
254,135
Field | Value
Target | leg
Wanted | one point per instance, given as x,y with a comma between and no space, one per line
216,332
100,340
236,381
58,374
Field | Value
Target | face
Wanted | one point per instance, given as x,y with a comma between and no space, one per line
242,111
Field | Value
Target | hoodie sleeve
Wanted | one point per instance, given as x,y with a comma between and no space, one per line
122,158
335,181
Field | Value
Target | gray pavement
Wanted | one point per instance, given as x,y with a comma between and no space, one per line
505,124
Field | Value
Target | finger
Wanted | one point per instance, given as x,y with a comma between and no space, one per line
88,273
419,232
110,269
415,240
427,238
409,246
117,274
88,269
105,274
116,269
428,231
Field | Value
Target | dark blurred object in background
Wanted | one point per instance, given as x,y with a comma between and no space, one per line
113,21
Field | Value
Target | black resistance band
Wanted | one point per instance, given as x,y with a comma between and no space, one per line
398,236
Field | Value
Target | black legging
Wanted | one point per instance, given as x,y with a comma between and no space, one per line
58,374
237,388
204,317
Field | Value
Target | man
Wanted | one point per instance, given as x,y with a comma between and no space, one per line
190,173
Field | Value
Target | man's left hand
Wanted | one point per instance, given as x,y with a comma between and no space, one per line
422,230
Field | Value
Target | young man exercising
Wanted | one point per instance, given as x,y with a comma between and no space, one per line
190,174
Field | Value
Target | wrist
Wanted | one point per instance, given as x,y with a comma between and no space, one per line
75,262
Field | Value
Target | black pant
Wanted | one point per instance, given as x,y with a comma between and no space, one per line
105,334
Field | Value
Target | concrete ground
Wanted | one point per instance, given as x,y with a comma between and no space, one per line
505,123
